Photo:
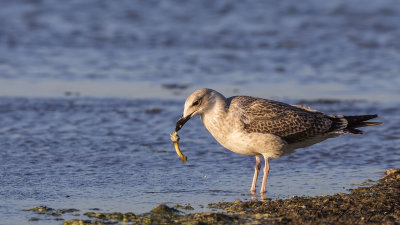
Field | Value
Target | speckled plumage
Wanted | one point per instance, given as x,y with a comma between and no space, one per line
261,127
291,123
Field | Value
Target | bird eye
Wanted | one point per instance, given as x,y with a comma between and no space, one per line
195,103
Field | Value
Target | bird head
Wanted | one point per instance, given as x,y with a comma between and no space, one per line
197,103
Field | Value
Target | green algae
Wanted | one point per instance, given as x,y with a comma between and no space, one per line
376,204
117,216
40,209
184,207
50,211
82,222
163,209
56,213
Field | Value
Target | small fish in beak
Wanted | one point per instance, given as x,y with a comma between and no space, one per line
175,139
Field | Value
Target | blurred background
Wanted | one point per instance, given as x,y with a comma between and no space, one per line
145,49
90,90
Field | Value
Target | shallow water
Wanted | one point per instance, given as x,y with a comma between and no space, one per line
116,155
89,93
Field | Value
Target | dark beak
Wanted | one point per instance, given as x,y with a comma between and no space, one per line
182,120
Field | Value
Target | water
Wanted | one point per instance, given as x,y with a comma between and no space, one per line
89,92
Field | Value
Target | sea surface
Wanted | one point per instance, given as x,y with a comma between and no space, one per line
90,91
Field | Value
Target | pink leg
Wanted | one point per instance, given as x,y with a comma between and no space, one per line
266,171
256,170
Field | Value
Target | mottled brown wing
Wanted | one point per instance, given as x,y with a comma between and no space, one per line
289,122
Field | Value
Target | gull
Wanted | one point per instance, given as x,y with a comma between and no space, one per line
260,127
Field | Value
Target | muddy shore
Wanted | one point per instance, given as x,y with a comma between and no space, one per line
375,204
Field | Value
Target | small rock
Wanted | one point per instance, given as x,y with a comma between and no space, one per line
95,209
40,209
153,111
34,219
163,209
80,222
175,86
62,211
187,207
391,171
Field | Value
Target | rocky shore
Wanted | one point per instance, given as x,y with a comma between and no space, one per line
376,204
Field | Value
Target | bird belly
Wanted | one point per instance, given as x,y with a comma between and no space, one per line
254,144
232,137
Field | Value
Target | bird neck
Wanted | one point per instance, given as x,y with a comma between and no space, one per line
214,118
218,106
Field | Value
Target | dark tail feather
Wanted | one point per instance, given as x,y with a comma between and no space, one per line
359,121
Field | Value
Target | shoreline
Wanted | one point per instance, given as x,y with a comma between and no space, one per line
375,204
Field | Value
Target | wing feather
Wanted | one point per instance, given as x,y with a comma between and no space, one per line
290,122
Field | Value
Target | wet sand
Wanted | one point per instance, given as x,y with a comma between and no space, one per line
375,204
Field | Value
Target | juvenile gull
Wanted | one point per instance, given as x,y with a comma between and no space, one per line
261,127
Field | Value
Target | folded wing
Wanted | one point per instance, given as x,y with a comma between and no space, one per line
291,123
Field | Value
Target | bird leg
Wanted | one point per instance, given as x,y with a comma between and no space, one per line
266,171
256,170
